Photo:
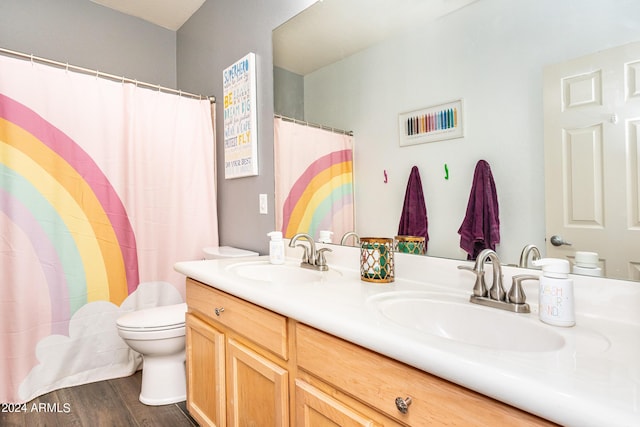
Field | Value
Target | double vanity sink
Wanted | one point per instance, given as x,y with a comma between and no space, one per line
585,375
444,315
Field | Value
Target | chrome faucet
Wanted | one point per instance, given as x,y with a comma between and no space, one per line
496,296
346,236
311,258
529,250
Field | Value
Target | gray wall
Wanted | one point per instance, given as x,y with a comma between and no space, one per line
288,93
89,35
220,33
85,34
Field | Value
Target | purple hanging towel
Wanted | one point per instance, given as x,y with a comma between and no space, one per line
480,228
413,221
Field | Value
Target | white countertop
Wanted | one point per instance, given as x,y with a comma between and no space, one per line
593,380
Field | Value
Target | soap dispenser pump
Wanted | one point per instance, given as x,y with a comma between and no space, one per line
556,292
276,248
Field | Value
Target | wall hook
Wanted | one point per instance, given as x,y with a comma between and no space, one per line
446,171
386,177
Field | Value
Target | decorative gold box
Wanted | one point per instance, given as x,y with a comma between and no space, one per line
376,259
410,244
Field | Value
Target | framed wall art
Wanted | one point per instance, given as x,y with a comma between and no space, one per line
436,123
240,119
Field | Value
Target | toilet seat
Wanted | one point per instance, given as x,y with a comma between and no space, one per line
162,318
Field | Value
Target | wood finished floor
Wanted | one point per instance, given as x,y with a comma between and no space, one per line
102,404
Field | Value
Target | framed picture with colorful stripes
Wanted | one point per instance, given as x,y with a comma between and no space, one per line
435,123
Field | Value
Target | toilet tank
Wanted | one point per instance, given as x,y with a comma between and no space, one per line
219,252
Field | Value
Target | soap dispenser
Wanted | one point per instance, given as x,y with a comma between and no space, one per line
587,263
276,248
325,236
556,292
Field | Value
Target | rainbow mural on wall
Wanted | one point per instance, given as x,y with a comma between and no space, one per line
57,195
324,188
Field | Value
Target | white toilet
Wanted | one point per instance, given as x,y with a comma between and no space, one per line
158,334
218,252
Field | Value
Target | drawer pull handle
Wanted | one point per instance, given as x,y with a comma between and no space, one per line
218,311
403,404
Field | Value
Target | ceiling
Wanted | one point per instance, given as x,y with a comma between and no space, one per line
331,30
318,36
170,14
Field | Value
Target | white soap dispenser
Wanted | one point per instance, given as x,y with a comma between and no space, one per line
587,263
325,236
556,292
276,248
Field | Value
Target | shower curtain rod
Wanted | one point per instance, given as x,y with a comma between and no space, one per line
315,125
97,73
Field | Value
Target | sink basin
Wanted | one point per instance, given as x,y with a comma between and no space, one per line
288,273
455,318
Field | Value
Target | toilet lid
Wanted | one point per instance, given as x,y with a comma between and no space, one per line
156,318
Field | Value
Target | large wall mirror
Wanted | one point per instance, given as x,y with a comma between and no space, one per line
358,64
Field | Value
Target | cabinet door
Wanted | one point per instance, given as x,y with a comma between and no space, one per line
315,408
258,390
205,373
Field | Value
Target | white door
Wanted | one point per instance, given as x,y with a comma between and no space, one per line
591,143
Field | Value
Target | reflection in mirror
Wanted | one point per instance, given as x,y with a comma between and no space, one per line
492,54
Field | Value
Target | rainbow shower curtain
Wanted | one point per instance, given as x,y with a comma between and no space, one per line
103,187
314,180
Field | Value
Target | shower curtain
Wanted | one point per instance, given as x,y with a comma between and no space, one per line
313,180
103,186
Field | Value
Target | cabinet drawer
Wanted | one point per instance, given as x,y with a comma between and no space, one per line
377,381
260,325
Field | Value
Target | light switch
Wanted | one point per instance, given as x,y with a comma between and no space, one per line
263,204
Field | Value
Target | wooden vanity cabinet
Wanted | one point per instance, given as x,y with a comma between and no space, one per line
206,386
249,366
378,381
236,361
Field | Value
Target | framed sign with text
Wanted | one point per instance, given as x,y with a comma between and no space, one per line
240,119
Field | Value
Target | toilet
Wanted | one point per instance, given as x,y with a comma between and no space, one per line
218,252
158,334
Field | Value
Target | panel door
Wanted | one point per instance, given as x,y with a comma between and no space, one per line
258,389
592,138
205,348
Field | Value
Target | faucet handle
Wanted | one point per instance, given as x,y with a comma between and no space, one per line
479,288
320,258
466,267
305,255
516,293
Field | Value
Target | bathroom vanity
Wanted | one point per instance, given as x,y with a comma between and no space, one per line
281,345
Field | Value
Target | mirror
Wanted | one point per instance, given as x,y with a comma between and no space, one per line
489,53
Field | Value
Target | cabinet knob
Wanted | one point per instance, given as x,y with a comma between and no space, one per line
218,311
403,404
